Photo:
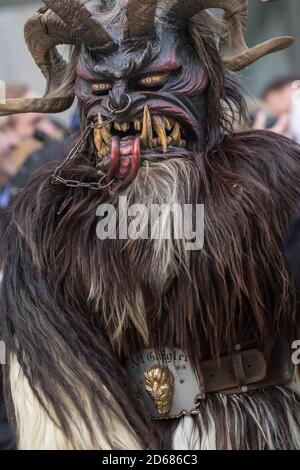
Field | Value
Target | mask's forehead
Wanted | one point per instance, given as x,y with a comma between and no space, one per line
136,57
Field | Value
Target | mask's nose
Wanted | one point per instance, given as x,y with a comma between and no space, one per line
119,99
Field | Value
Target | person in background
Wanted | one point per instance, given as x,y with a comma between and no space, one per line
27,124
280,110
35,130
21,136
278,95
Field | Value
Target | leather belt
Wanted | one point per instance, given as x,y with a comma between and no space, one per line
169,387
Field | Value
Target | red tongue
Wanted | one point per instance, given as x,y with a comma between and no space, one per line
125,158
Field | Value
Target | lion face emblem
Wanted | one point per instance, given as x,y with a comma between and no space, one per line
159,383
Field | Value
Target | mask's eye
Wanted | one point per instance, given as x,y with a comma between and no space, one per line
100,88
153,81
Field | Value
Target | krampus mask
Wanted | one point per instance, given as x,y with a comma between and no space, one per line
138,65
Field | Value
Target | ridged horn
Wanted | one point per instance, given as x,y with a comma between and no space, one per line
43,32
233,48
140,18
80,21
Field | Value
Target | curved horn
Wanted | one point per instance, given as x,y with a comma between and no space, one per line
43,32
233,48
140,18
46,105
80,21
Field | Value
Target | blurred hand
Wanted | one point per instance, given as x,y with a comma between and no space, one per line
50,129
26,124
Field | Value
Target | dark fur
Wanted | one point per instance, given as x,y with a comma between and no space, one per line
238,288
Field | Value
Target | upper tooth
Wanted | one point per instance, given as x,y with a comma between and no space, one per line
175,134
118,126
160,130
147,132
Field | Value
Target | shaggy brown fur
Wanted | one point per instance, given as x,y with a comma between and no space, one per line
237,288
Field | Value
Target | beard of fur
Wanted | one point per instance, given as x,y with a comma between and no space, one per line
172,296
149,265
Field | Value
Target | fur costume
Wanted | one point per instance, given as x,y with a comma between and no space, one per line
75,309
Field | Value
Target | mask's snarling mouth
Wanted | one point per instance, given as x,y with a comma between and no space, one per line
122,146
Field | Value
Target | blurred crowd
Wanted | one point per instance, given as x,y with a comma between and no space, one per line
279,108
27,141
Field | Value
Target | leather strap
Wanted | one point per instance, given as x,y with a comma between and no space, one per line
238,367
234,372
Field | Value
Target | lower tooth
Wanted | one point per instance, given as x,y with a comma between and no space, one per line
124,127
167,124
137,125
104,150
160,131
106,134
98,139
175,135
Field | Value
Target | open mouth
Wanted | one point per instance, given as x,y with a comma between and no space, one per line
155,132
122,146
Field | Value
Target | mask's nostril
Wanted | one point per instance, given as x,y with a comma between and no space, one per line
121,106
118,96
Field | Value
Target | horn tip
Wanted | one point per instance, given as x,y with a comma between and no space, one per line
250,56
287,40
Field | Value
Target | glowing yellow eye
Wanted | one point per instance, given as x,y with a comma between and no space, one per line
101,87
153,79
